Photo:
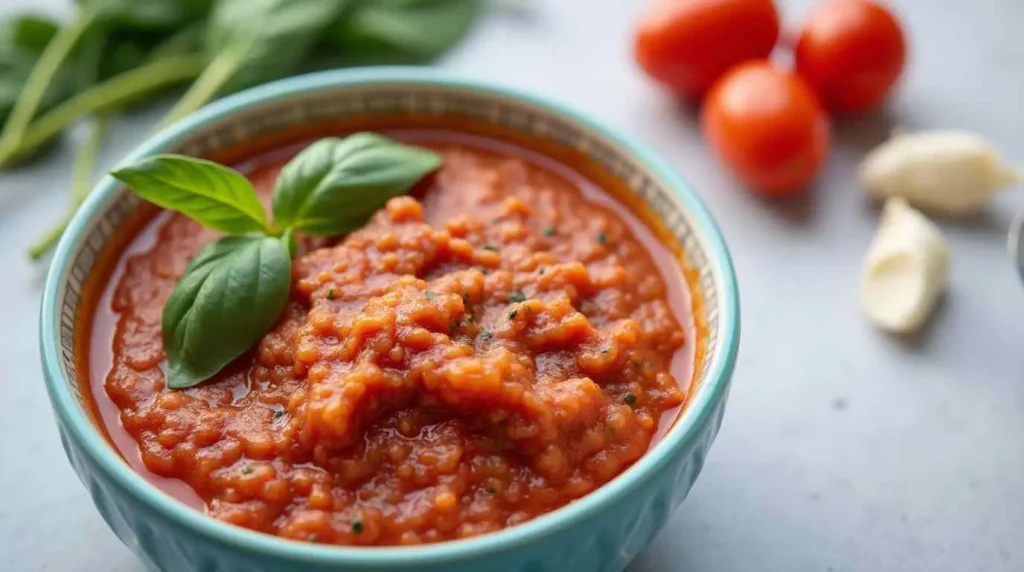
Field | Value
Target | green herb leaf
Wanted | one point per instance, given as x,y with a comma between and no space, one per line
128,48
140,14
279,35
516,296
335,185
215,196
40,81
230,296
249,42
22,41
187,40
420,29
29,32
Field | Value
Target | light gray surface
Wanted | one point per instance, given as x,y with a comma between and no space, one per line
841,450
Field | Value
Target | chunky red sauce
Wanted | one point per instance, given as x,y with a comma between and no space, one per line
498,345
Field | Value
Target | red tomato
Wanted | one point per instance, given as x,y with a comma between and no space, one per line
688,44
768,126
852,52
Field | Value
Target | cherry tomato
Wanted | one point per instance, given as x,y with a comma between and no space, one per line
768,126
688,44
852,52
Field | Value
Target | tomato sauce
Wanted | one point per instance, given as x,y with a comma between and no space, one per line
495,346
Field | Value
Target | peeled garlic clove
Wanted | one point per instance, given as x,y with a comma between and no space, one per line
949,172
906,270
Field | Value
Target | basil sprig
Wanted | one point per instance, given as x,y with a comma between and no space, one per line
109,56
234,290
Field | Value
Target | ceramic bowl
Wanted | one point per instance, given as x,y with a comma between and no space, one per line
602,531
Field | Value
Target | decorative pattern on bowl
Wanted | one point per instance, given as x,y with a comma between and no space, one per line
602,531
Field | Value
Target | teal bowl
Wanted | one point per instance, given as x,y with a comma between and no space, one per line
602,531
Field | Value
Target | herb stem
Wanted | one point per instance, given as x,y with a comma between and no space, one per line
104,96
216,75
184,41
81,186
32,94
86,160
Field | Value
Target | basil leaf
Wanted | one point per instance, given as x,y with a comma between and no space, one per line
28,32
215,196
422,29
230,296
140,14
187,40
335,185
278,35
124,53
134,30
127,50
22,41
87,59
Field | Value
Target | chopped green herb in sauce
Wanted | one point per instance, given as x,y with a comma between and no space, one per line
278,415
602,237
248,471
512,313
429,294
549,231
516,296
490,247
630,399
331,293
490,490
357,526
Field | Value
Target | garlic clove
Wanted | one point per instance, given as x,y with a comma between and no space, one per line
906,270
948,172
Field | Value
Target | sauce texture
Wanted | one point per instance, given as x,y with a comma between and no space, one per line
495,346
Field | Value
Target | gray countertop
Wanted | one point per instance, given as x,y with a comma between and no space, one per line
842,449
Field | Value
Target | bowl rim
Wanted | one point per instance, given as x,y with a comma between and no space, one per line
697,414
